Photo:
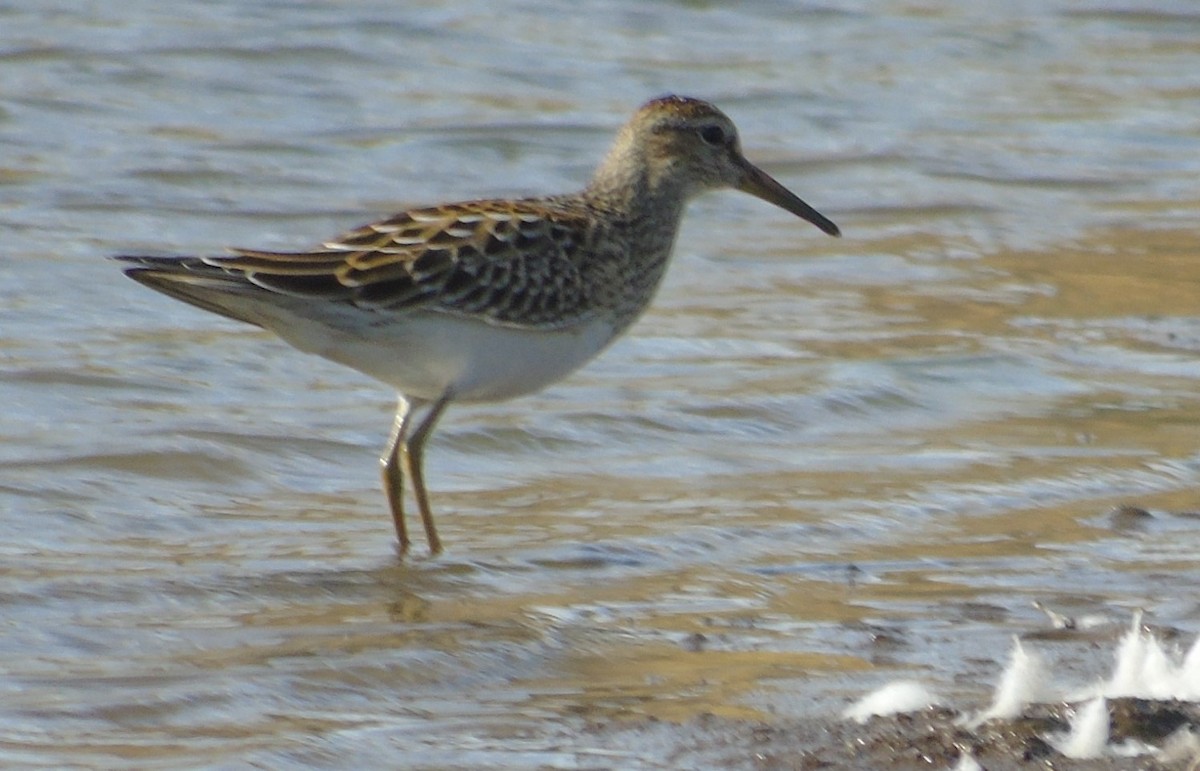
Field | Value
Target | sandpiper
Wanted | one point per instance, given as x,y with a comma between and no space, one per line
489,299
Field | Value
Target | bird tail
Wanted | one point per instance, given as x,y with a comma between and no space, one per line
197,283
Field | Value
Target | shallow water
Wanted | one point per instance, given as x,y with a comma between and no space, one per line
814,466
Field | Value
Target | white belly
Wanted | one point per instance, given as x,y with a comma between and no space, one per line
425,355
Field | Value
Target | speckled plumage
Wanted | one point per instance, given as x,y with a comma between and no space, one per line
484,300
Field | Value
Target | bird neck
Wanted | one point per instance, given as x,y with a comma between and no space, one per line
634,179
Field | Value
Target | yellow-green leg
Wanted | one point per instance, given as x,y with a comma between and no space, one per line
413,457
393,475
405,457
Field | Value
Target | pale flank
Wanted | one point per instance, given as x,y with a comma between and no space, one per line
484,300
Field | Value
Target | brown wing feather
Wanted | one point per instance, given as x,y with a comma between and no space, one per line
510,262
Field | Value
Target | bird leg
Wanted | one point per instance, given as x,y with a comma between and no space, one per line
393,476
413,456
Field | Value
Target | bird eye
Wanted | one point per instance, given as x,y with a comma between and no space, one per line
713,135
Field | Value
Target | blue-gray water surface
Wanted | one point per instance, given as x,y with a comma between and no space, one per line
815,465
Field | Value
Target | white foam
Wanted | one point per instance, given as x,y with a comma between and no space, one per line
1190,676
1182,746
895,697
1023,681
967,762
1088,736
1145,669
